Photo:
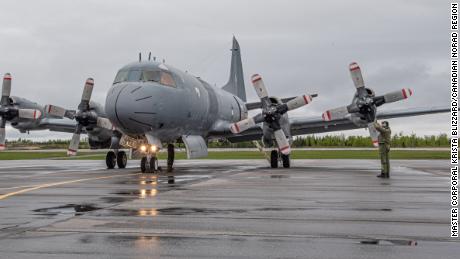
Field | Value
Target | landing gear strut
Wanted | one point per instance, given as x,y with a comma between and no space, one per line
170,157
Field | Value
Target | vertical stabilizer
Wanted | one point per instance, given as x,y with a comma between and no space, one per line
235,84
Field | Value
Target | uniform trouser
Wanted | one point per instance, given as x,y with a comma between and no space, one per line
384,151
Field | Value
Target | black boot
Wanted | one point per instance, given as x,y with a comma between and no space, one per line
382,175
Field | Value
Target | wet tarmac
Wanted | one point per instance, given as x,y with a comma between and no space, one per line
226,209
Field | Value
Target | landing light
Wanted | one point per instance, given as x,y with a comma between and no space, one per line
153,148
143,148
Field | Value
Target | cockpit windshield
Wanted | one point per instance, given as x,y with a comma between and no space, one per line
151,76
162,77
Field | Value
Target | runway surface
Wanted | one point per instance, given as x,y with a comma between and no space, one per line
239,208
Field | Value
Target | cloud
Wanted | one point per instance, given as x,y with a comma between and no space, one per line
51,47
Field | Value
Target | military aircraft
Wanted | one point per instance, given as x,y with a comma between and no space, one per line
152,104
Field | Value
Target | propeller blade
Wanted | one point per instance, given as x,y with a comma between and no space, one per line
73,146
104,123
282,142
242,125
356,75
6,89
86,95
55,111
29,114
374,134
2,134
87,90
335,114
259,85
398,95
299,101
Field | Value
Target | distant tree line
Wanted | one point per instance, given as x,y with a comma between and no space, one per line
398,140
45,144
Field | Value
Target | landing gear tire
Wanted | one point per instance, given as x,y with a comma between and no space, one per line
274,159
122,159
144,164
170,157
153,164
110,160
286,161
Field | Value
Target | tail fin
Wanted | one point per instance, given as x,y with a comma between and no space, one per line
235,84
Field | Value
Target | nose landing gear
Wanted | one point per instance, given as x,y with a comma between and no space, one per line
149,163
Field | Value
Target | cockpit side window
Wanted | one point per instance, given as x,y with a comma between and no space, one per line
150,76
121,76
166,79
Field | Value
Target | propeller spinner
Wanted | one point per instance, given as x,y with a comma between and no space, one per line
271,114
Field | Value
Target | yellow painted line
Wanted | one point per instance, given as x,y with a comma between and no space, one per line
46,185
16,187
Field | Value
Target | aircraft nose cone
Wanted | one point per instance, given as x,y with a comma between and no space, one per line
131,107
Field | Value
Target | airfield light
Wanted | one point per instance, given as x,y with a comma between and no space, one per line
143,148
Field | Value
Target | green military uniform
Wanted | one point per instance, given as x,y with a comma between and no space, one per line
384,147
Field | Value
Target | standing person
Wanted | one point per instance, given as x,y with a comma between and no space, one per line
384,147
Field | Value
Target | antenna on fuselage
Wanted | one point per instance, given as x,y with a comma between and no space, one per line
140,57
150,55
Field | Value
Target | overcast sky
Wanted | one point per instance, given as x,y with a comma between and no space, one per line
51,47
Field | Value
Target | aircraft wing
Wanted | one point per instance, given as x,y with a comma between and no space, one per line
61,125
315,124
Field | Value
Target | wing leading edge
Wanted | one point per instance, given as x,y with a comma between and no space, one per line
316,124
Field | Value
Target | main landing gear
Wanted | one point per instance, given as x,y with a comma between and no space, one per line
275,156
120,159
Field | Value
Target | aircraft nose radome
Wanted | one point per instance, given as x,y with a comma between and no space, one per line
131,108
110,103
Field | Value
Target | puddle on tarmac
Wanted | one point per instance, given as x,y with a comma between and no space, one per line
77,209
371,209
397,242
278,176
169,211
284,209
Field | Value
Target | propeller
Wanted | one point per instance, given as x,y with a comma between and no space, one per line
365,103
10,112
271,114
84,116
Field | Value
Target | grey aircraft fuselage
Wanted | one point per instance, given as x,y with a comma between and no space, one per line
157,99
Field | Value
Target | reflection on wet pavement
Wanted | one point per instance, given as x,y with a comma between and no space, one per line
77,209
389,242
212,209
